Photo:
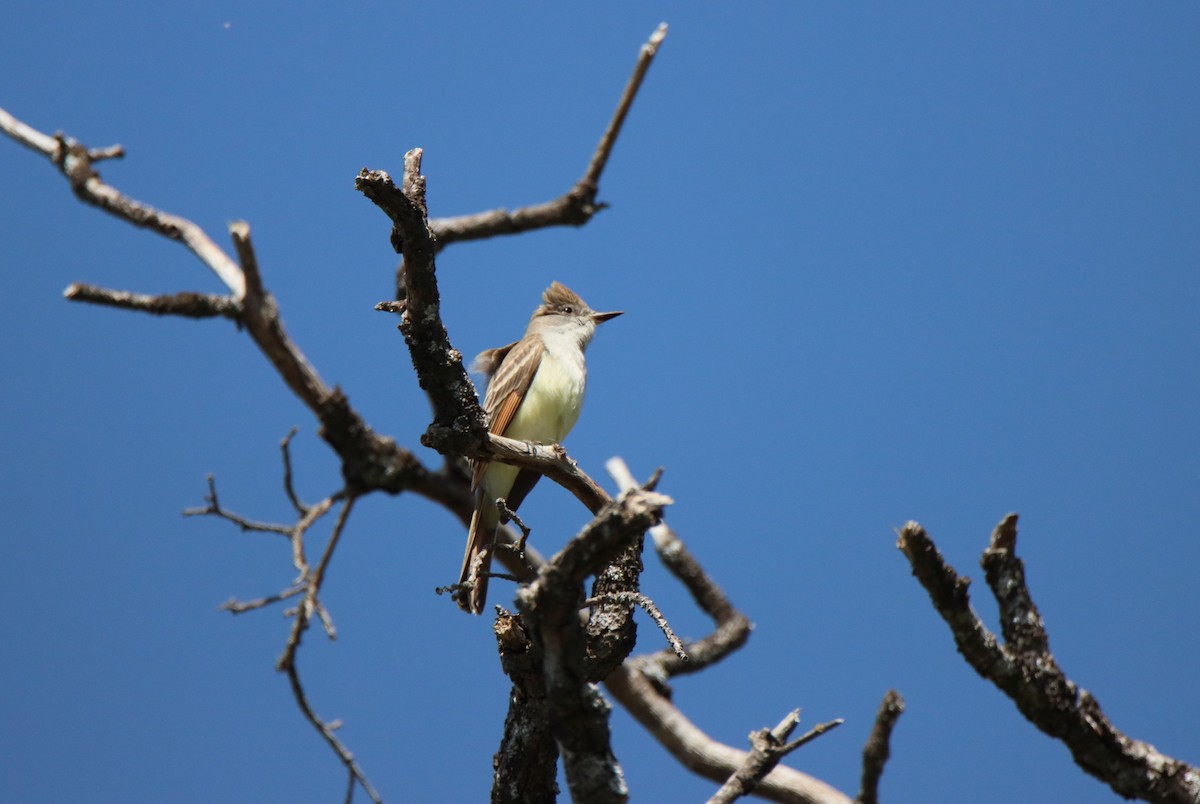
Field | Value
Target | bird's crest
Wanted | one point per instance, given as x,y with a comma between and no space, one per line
559,294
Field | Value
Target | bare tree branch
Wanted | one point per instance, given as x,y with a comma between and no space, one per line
878,746
260,314
287,662
550,460
288,488
74,160
769,746
235,606
549,608
641,684
327,730
647,605
439,366
611,628
640,693
1026,671
301,527
526,765
370,462
30,137
312,580
214,509
732,627
295,534
186,304
307,585
575,207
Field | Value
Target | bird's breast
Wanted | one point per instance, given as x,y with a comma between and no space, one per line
554,399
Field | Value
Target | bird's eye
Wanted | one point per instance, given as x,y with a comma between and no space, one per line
568,309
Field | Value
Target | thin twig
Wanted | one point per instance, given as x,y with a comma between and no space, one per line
214,509
517,548
235,606
111,152
285,448
326,620
507,514
326,730
312,588
315,512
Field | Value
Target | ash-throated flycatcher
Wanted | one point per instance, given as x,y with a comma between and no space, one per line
535,392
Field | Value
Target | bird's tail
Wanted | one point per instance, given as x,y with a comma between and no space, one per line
477,562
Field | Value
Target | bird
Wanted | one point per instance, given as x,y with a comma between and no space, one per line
535,393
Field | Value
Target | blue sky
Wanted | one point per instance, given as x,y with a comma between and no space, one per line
936,262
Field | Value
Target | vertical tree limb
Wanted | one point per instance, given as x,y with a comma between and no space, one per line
878,747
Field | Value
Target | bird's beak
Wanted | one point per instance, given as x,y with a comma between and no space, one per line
600,318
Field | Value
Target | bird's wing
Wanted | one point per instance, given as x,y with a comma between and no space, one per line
487,361
507,388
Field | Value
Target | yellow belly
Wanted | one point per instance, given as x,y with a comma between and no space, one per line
549,411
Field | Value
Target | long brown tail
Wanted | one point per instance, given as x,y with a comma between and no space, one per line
479,540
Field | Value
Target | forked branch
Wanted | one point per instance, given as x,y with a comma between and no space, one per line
574,207
1023,668
768,747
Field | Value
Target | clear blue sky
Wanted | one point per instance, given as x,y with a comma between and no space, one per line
878,263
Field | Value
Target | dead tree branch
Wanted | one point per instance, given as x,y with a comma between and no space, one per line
295,534
439,366
75,162
1025,670
526,765
186,304
574,207
578,714
285,447
287,662
312,580
611,628
769,747
308,586
647,605
370,462
642,686
878,746
214,509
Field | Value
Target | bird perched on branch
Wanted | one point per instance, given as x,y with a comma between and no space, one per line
535,392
